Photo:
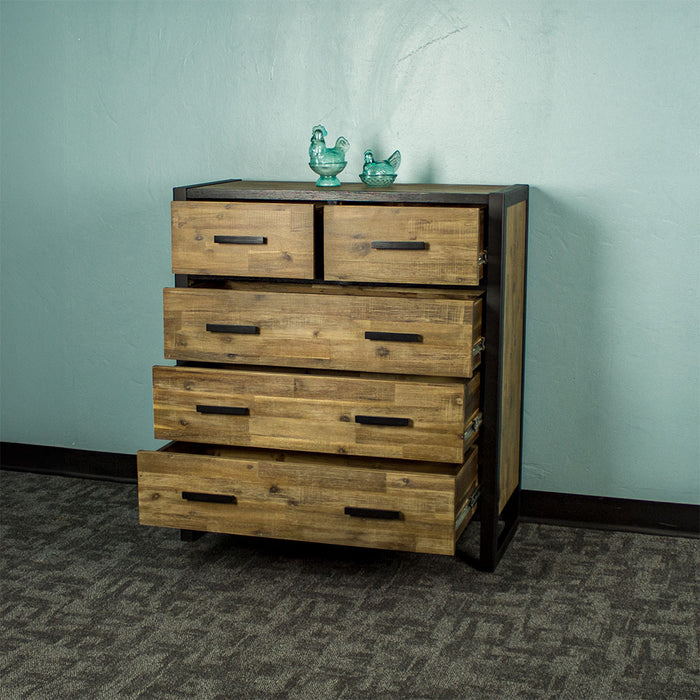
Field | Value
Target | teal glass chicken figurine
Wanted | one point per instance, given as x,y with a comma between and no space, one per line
324,161
382,173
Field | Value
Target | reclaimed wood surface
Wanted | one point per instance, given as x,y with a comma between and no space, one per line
512,350
304,497
399,193
315,412
285,229
452,238
322,327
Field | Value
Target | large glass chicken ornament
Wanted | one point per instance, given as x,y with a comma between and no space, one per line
324,161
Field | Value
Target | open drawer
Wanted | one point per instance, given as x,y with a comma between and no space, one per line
388,504
369,415
408,331
405,245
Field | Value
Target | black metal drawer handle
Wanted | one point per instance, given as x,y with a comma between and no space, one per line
383,420
225,328
209,497
224,410
241,240
376,513
399,245
394,337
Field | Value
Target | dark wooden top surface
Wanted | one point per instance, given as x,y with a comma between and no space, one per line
356,192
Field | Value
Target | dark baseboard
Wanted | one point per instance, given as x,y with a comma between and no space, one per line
67,461
628,514
567,509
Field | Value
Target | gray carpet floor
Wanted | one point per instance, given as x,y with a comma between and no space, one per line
95,606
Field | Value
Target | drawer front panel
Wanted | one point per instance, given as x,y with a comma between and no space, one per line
409,245
372,333
368,503
243,239
405,419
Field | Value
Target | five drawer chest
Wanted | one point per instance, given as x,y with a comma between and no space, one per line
348,366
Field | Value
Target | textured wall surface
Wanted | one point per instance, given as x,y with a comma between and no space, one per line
107,105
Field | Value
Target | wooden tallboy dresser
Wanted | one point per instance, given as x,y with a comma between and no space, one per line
348,365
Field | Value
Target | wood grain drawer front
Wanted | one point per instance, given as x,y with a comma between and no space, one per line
410,245
371,331
243,239
348,501
382,417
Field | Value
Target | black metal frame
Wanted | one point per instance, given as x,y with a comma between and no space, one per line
497,528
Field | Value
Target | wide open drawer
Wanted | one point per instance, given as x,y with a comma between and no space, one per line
375,415
419,507
409,245
243,239
425,332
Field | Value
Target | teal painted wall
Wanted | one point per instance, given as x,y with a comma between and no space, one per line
107,105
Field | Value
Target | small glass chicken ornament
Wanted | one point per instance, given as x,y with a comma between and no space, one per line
324,161
380,173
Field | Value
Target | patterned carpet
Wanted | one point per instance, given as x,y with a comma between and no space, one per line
95,606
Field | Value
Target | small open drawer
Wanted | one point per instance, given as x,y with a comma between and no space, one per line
406,245
388,504
249,239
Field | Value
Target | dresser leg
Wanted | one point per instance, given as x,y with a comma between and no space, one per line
497,534
190,535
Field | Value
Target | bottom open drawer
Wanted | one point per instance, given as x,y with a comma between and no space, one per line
388,504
